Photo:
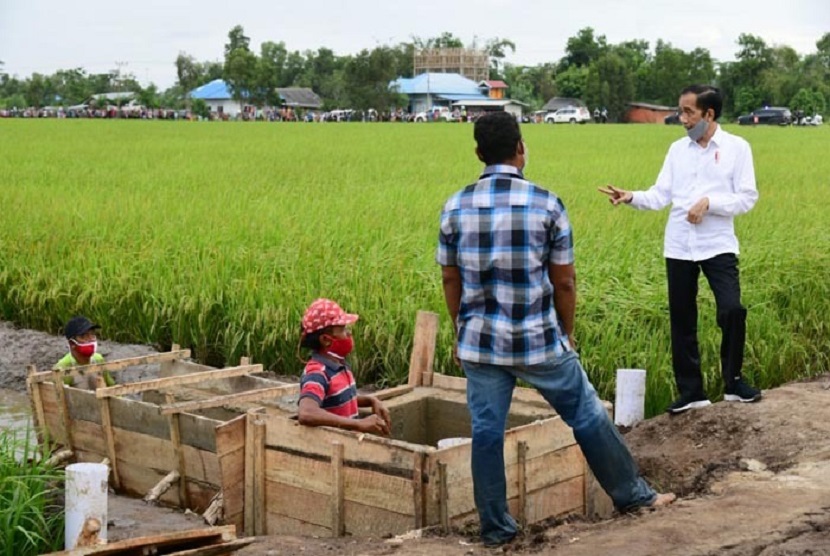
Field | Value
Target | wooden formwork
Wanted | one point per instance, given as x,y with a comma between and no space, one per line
223,435
284,478
148,441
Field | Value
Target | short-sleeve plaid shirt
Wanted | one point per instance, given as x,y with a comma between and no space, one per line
502,232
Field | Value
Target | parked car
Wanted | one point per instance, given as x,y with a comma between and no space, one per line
672,119
569,115
772,115
438,113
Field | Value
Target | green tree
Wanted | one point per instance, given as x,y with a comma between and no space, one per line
583,49
572,82
497,49
610,84
366,79
444,40
241,69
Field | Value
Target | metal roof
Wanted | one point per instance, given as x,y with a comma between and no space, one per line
215,90
478,97
437,84
300,97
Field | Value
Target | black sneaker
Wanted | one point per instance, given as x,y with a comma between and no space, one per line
742,392
686,402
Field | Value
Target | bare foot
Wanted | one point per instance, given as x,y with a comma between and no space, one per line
663,500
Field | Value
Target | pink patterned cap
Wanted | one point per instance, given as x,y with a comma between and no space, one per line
323,313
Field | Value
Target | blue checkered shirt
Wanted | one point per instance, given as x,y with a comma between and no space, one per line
502,232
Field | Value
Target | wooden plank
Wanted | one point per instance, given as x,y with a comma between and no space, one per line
522,481
106,425
117,365
289,435
423,347
57,381
283,525
166,540
390,393
520,394
336,500
254,475
443,495
418,489
253,395
300,504
313,477
215,550
176,440
137,480
555,500
368,521
155,384
598,505
230,451
259,477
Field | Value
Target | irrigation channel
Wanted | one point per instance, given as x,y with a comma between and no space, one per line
15,411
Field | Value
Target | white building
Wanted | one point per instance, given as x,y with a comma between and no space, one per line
218,98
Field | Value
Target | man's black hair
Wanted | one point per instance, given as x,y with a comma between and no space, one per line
497,136
707,97
312,340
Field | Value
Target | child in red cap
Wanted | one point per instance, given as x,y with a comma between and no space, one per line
328,395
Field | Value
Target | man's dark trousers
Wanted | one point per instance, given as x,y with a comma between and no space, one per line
722,273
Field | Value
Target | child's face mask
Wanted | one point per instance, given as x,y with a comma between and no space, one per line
86,349
341,347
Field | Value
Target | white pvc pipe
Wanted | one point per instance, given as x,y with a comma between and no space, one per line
629,405
450,442
86,497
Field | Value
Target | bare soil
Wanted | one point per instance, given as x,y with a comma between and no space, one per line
753,480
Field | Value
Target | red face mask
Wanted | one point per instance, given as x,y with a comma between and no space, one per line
341,347
86,350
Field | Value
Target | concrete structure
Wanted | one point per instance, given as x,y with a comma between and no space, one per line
436,89
644,113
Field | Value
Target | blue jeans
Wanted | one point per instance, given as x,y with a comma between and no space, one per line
565,386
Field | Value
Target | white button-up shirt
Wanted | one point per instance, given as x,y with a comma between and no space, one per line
722,171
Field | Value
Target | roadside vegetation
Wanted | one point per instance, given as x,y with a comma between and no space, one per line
31,495
218,237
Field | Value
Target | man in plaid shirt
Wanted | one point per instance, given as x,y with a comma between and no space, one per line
506,251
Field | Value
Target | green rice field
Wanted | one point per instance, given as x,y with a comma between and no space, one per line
216,236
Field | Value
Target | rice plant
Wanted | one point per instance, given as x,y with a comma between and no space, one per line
216,236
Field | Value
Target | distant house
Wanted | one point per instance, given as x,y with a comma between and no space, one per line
494,89
299,97
556,103
644,113
217,96
436,89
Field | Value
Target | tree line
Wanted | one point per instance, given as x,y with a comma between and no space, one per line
599,73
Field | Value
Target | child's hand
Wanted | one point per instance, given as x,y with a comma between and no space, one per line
380,410
374,424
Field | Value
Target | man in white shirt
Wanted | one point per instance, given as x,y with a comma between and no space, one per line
708,178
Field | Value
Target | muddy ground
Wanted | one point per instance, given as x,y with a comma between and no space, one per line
753,480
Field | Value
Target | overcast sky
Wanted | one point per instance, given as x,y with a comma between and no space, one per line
144,38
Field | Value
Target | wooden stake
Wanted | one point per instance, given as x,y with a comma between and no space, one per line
443,495
106,424
57,378
166,367
337,501
423,347
176,440
162,486
254,512
521,449
37,403
418,490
